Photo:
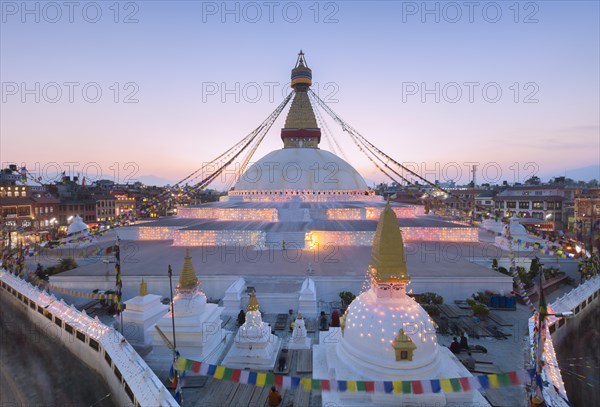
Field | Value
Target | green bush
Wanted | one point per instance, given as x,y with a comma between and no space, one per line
503,270
347,297
482,297
430,298
480,309
431,309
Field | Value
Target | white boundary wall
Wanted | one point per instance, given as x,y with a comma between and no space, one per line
131,381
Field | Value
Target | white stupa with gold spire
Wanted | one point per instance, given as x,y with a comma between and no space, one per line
254,346
299,338
140,314
386,336
198,330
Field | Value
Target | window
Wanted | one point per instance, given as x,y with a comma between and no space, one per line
403,355
68,328
80,336
48,315
129,392
107,357
524,205
94,344
538,193
538,205
58,321
511,204
40,309
549,205
117,373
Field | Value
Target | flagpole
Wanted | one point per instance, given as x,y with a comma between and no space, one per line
170,271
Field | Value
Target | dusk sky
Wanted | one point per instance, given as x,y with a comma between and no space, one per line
192,71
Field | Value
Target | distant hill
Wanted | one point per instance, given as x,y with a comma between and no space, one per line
578,174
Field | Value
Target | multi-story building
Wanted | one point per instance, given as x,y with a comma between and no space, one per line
15,206
587,214
543,203
484,203
105,207
45,212
462,202
125,204
84,207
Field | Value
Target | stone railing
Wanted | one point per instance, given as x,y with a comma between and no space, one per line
574,301
131,381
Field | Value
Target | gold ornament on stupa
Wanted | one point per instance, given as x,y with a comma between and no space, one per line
253,303
403,347
187,279
388,264
143,288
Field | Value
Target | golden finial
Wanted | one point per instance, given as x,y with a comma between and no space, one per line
187,278
343,321
143,288
388,264
403,346
299,316
253,304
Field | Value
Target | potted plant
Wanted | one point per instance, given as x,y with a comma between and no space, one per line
480,310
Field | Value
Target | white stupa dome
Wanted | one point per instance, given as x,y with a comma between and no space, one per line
301,169
516,229
77,226
373,323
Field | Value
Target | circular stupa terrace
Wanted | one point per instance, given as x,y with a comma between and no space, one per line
293,223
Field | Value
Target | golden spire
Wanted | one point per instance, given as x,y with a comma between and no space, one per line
253,304
187,278
299,314
143,288
388,264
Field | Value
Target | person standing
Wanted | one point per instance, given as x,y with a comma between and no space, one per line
464,344
455,346
274,398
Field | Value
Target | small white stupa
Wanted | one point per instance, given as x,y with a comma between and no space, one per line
198,331
517,232
493,225
299,338
77,226
254,347
78,234
141,313
386,336
307,298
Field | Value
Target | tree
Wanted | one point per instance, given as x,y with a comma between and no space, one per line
535,180
347,297
593,183
66,263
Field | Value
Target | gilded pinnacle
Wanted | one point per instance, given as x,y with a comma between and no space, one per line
388,264
187,278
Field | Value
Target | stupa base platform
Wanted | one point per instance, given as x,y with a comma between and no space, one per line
247,358
299,343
